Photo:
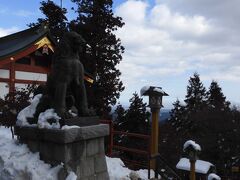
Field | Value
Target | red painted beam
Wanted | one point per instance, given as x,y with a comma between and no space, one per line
19,55
4,80
21,81
29,68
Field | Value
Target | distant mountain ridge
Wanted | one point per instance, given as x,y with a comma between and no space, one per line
164,114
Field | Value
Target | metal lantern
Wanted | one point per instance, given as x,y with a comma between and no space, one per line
155,96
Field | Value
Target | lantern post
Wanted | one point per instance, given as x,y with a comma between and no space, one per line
192,150
155,103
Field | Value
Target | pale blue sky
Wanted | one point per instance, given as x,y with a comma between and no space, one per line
165,41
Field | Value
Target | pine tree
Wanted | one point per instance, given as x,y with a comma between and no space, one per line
136,120
216,99
120,114
55,18
96,23
196,94
137,117
177,115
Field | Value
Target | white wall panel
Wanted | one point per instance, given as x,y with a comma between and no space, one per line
4,73
4,89
31,76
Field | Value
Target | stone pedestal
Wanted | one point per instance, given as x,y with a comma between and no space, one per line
80,149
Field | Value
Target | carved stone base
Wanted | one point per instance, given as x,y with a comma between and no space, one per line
80,149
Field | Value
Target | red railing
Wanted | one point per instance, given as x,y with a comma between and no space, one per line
112,146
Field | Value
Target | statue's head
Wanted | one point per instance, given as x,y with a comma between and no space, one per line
74,40
70,44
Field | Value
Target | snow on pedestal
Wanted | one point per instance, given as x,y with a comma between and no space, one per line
200,165
45,116
213,176
28,112
193,144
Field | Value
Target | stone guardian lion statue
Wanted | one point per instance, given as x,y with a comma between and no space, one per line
66,78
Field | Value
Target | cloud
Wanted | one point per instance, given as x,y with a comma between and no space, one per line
170,40
162,17
133,11
7,31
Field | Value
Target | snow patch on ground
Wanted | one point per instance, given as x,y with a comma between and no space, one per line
116,169
18,163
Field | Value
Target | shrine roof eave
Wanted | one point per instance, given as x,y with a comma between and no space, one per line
17,42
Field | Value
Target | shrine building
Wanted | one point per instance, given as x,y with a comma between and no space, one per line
25,58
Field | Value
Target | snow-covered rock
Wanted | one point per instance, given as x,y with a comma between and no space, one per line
189,143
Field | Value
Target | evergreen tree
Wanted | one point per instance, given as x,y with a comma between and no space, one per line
55,17
137,117
177,115
136,120
120,114
196,94
96,23
216,99
207,120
